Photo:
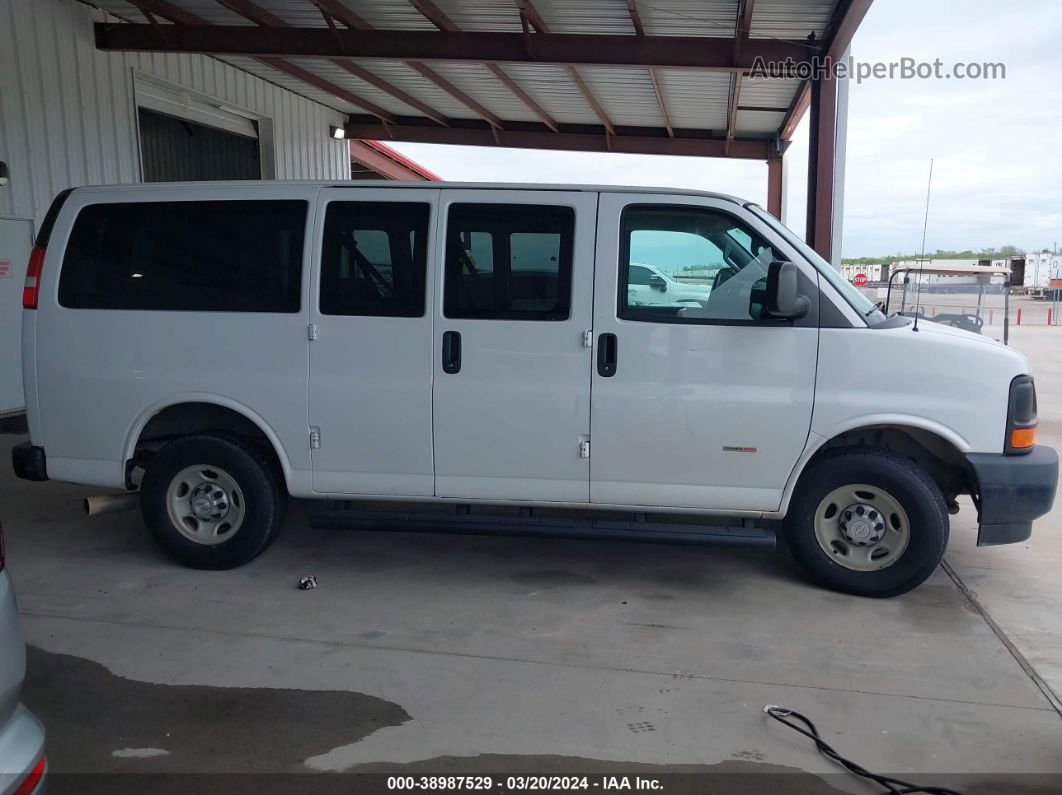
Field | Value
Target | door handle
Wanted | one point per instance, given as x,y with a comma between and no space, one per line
606,355
451,352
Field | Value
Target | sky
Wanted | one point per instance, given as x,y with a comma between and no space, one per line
996,145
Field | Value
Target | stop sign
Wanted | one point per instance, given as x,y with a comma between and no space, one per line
860,280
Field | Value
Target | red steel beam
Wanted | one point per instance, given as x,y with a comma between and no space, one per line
743,26
261,16
386,162
639,29
581,141
821,167
527,8
437,17
732,109
796,111
566,49
847,18
181,18
775,186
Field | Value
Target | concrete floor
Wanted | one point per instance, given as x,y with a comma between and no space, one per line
456,654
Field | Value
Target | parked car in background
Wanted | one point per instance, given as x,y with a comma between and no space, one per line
217,347
650,286
22,761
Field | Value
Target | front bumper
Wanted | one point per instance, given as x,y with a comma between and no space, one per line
29,462
1012,490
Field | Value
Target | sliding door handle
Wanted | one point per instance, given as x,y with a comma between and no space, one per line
451,352
606,355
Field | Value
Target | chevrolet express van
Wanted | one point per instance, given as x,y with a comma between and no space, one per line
216,347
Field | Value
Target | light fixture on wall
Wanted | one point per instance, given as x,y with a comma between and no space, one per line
4,176
339,133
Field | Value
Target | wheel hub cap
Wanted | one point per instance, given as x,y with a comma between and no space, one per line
209,502
862,524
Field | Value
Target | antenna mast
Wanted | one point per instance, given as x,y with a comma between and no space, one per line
922,258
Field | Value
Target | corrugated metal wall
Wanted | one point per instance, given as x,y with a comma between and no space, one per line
68,114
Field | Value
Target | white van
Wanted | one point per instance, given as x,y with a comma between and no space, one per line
218,346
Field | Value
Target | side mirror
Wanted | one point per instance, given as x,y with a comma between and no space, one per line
658,283
783,300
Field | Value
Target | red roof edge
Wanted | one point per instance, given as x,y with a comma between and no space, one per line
398,157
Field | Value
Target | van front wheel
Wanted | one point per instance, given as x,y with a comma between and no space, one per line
212,502
868,522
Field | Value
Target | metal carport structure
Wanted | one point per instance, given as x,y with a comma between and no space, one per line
635,76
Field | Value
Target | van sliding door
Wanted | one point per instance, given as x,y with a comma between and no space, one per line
512,370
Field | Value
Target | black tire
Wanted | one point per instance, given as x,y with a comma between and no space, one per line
907,483
262,491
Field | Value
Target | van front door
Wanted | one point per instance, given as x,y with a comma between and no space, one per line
512,370
371,342
701,402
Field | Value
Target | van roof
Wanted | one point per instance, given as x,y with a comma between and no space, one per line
383,183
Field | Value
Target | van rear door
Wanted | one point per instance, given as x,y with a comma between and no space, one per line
371,352
512,372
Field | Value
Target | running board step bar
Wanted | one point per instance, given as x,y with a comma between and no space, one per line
550,527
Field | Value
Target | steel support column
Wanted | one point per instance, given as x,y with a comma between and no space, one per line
776,187
821,164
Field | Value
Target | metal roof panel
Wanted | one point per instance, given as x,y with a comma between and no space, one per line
696,99
791,19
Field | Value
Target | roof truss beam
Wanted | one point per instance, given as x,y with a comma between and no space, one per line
580,138
682,52
639,29
530,13
439,19
338,10
265,18
182,18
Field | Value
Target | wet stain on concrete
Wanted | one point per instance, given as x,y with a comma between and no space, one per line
90,712
550,578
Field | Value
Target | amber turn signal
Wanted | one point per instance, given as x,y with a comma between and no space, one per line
1023,438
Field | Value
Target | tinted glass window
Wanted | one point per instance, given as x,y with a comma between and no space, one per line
639,275
714,268
212,256
374,258
509,261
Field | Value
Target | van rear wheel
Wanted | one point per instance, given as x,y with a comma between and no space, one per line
867,521
212,502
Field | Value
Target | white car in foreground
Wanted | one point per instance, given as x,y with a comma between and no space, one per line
22,762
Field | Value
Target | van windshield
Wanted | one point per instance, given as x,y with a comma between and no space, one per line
867,308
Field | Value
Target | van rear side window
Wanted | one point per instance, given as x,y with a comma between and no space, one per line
195,256
374,260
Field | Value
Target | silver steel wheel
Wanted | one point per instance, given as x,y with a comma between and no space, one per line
861,527
205,504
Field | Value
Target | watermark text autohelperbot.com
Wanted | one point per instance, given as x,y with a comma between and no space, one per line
901,69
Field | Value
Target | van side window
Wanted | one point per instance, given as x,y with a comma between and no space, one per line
690,265
509,261
374,258
192,256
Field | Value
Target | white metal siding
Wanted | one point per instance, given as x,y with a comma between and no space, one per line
68,114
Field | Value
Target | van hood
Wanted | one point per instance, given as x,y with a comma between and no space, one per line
941,329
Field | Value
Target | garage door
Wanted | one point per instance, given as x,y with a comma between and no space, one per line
187,136
177,150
